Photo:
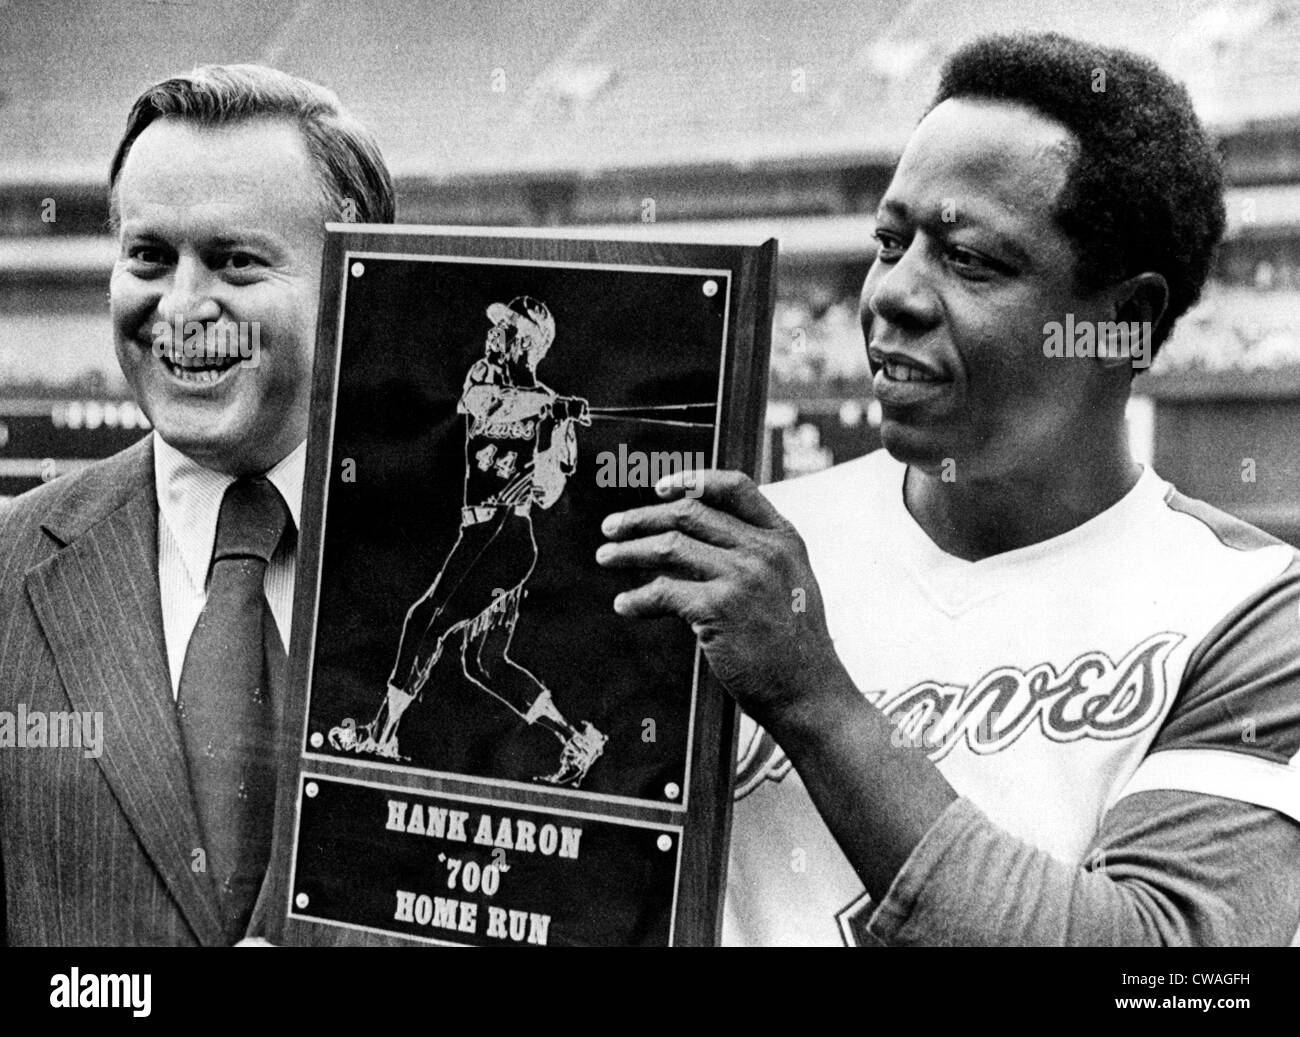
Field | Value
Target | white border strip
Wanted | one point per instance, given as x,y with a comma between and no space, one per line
1219,772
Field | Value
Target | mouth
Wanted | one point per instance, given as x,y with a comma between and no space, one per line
900,379
898,367
905,371
199,370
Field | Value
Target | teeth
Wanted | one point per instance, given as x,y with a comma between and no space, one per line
904,372
198,362
197,375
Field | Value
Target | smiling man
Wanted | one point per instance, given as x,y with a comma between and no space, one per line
155,587
219,226
1030,694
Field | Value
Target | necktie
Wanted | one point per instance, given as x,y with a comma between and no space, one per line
227,717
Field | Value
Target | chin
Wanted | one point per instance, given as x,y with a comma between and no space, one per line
203,434
209,451
913,446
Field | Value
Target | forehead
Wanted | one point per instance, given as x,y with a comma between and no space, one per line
991,160
256,171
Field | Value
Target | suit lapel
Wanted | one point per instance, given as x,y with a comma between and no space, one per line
98,603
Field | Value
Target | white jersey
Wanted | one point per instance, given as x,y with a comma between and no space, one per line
1152,647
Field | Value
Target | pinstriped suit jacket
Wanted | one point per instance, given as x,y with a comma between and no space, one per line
94,850
99,851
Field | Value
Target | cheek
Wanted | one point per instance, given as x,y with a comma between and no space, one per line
288,336
1003,340
287,323
1017,394
130,303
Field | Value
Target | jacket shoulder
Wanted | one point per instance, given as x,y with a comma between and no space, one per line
74,501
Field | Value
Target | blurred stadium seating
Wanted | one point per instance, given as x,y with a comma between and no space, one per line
690,120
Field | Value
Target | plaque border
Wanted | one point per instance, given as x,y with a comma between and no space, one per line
703,811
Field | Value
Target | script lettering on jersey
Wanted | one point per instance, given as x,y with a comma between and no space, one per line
502,429
1091,697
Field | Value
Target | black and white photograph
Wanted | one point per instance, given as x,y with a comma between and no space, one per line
673,474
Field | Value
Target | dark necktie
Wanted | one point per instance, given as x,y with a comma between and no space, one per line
226,711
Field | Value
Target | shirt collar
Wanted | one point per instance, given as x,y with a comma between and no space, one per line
189,499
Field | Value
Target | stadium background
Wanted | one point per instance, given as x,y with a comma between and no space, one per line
672,117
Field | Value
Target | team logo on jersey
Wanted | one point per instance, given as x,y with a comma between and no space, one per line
1091,697
503,429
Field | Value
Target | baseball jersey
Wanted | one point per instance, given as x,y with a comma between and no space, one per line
498,452
1153,647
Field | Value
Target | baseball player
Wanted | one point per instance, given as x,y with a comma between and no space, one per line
520,449
1007,685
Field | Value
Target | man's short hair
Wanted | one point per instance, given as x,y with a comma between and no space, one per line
348,161
1145,190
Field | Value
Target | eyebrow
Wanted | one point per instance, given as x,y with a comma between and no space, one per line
225,240
902,211
255,238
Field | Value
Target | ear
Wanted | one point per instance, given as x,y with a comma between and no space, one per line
1137,304
1143,297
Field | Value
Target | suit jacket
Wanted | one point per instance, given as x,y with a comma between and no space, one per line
95,850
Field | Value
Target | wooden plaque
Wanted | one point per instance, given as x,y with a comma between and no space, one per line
478,749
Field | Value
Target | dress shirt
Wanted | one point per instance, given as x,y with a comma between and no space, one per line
189,501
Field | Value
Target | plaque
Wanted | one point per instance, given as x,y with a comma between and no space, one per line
478,749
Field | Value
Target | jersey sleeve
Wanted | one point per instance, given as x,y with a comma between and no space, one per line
1234,730
1165,869
480,374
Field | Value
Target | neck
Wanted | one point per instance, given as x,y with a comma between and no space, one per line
979,517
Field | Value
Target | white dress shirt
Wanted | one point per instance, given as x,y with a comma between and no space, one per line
189,501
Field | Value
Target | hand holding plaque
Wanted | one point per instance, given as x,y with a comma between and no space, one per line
726,562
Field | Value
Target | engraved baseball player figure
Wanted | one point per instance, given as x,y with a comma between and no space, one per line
520,449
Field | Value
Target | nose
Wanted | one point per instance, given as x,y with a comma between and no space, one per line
187,293
899,292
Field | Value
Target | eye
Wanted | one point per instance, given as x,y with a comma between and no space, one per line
967,262
147,255
891,246
241,261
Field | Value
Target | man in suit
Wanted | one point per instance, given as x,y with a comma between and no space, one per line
154,588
